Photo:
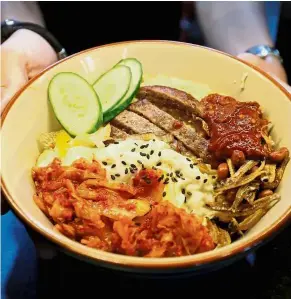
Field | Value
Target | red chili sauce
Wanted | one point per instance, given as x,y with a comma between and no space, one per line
233,126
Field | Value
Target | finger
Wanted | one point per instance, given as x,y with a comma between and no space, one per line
13,76
270,64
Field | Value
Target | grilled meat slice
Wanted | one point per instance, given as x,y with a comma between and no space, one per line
116,133
163,96
186,134
133,123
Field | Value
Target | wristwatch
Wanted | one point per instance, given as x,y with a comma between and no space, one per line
264,51
9,26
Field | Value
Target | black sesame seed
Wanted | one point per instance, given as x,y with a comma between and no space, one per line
195,164
191,165
104,163
188,159
159,163
214,177
146,146
182,179
185,200
117,174
123,162
160,178
174,180
265,180
152,151
116,142
133,166
177,172
142,154
154,168
205,180
132,170
133,150
126,171
148,156
159,154
154,140
106,145
113,177
113,166
166,181
183,191
136,144
142,146
171,174
189,193
198,177
164,194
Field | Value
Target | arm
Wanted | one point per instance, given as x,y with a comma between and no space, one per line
22,11
234,27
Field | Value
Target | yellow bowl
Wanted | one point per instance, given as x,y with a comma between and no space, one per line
28,115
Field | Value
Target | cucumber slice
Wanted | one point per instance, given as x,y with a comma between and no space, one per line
112,86
75,103
136,77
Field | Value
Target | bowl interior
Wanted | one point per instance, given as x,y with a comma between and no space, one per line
30,115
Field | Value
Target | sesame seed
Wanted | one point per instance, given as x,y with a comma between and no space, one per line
188,159
164,194
171,174
198,177
113,166
133,166
195,164
168,174
182,179
159,163
117,174
139,162
191,165
174,180
113,177
126,171
131,170
159,154
154,168
160,178
136,144
104,163
265,180
185,200
214,177
116,142
142,146
133,150
189,193
166,181
154,140
183,191
123,162
106,145
177,172
148,156
142,154
152,151
205,181
146,146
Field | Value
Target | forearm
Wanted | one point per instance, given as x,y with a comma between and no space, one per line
233,27
22,11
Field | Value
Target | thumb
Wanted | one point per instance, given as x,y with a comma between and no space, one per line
13,75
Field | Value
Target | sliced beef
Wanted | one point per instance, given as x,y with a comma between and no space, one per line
163,96
186,134
117,133
133,123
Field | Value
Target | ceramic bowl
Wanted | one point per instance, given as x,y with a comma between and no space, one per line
28,115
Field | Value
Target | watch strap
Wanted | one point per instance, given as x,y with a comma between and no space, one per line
264,51
9,26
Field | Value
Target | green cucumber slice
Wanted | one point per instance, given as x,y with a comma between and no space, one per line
75,103
136,77
112,86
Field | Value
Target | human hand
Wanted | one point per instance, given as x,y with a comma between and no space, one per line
23,55
271,65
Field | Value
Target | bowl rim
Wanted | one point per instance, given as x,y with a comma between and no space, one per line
141,262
